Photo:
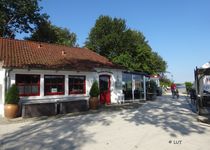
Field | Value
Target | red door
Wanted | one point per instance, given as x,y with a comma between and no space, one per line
105,94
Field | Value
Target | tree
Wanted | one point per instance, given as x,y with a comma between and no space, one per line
188,86
165,82
158,64
65,37
19,16
105,37
46,32
136,54
111,38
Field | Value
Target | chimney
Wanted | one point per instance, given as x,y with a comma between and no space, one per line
40,45
63,53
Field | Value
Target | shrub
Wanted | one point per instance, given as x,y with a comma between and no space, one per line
12,96
94,91
151,87
165,82
188,86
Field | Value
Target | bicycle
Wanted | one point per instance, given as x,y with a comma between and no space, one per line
175,93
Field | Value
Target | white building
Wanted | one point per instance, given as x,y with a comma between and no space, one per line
49,74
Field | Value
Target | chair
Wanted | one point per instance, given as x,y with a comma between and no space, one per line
120,99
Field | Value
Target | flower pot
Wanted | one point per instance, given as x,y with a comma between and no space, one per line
93,102
11,110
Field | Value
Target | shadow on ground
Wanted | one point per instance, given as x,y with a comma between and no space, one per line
172,115
55,133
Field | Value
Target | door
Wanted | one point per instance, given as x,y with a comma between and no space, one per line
105,94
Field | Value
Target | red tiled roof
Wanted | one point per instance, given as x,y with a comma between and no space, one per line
28,54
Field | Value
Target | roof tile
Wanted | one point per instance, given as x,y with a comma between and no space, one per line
28,54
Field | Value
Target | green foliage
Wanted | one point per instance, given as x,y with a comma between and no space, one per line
105,38
12,96
151,86
111,38
188,86
94,91
157,63
19,16
120,59
46,32
165,82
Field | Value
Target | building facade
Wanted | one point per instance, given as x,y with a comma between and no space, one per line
50,74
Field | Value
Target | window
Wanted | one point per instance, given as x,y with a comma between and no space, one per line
54,84
138,87
127,86
133,86
77,85
28,85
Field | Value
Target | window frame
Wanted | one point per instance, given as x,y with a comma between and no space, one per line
54,93
84,84
134,94
28,84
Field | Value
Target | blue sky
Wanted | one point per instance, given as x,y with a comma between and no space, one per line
179,30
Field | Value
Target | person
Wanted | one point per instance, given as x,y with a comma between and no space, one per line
173,89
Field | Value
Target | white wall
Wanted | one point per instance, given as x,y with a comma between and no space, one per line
2,91
90,77
115,74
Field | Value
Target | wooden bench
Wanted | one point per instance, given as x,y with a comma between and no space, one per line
51,107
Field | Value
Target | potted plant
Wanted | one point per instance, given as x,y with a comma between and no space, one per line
94,93
11,102
151,88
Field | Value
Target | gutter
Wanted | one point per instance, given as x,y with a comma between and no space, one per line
7,79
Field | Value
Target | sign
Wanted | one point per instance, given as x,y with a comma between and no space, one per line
54,90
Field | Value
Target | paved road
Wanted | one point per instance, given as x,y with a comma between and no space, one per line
158,125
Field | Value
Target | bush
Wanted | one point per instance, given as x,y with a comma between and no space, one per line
165,82
188,86
151,87
12,96
94,91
